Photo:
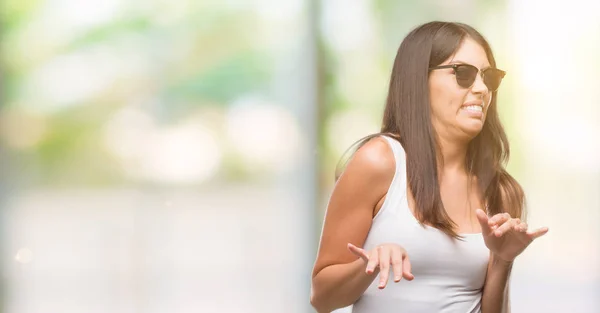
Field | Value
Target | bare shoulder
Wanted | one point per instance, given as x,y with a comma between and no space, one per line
374,160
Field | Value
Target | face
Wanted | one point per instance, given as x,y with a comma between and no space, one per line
458,113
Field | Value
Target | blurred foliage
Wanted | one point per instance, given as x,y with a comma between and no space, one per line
206,55
13,13
224,82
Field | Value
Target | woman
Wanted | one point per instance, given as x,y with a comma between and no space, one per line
412,195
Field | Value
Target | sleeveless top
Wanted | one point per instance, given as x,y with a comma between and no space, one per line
449,273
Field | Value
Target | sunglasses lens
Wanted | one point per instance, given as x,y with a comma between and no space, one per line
492,78
465,75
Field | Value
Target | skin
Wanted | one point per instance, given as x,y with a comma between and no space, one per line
343,270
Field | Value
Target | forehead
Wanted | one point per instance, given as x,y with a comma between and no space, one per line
470,52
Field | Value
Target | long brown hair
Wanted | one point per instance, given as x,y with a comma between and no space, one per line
407,115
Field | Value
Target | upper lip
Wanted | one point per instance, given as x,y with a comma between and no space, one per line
479,103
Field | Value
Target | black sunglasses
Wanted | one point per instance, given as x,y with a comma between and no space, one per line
467,73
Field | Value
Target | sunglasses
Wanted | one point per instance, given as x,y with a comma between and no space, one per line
467,73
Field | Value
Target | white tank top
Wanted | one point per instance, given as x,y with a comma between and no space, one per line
449,273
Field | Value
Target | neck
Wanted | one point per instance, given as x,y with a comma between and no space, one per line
451,156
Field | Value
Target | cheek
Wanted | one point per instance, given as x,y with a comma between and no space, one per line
446,98
452,99
437,97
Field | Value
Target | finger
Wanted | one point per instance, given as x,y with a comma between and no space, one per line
361,253
373,261
521,227
537,233
407,268
483,221
384,266
499,219
506,227
396,257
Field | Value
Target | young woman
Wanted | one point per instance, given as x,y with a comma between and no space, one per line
428,199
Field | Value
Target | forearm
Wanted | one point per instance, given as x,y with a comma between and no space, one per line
495,290
340,285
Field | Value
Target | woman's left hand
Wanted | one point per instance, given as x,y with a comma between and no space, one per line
506,237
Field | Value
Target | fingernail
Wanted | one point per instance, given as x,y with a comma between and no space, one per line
397,278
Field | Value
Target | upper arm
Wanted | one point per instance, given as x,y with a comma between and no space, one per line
350,209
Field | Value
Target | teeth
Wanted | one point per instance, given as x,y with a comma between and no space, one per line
475,108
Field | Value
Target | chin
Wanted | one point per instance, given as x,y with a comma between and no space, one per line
472,129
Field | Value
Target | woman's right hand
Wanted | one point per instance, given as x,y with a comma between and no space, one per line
382,257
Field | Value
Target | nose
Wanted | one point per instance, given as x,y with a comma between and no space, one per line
479,86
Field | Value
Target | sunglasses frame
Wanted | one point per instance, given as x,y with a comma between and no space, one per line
479,71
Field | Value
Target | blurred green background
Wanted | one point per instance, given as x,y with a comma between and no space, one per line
177,156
